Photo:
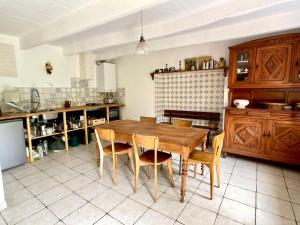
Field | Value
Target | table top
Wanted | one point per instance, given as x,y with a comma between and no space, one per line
170,137
56,110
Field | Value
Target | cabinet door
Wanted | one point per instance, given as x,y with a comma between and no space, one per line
106,77
273,64
247,133
285,139
296,64
240,67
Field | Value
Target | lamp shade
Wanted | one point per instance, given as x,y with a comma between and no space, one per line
142,47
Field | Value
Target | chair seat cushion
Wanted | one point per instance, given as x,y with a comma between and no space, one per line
148,156
119,148
201,156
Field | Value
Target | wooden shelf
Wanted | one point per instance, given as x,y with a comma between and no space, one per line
81,128
189,71
48,135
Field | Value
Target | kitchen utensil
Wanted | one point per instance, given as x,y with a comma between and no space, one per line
108,100
241,103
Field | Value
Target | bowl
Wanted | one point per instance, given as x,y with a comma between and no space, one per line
241,103
275,105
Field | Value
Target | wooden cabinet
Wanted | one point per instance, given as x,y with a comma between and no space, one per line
285,139
272,64
246,134
275,138
296,64
265,70
241,67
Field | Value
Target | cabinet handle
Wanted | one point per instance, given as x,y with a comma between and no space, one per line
269,134
297,63
256,66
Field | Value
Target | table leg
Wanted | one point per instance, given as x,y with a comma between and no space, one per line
203,149
185,157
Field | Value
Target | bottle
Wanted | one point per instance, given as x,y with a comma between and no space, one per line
45,144
40,148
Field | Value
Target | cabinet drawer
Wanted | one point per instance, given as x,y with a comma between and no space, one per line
294,115
248,112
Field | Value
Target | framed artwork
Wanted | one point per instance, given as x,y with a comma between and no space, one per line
190,63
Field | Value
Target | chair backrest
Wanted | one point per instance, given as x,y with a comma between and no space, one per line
217,145
105,135
147,142
148,119
182,123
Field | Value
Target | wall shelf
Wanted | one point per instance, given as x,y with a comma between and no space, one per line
189,71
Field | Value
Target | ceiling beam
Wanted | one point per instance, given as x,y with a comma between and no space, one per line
255,27
199,19
92,16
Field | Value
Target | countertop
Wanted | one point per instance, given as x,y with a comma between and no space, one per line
57,110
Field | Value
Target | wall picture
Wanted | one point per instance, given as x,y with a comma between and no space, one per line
190,63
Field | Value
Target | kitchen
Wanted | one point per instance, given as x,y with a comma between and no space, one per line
64,77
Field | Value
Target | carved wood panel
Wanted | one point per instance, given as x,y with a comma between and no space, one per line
272,64
246,133
286,138
296,64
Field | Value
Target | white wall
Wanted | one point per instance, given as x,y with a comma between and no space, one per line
31,70
134,74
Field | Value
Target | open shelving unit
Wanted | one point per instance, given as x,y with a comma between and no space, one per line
64,111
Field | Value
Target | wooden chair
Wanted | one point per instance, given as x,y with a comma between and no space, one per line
151,157
210,159
113,149
148,119
181,123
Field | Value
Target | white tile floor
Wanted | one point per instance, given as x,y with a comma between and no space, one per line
64,188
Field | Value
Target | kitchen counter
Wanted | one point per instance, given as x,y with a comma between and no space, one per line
56,110
64,112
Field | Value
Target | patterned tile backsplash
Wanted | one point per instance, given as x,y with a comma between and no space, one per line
79,94
194,91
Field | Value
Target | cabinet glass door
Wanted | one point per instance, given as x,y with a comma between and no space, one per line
242,66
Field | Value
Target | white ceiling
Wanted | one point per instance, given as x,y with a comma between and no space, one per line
18,17
112,27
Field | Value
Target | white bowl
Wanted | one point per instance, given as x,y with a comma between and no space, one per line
241,103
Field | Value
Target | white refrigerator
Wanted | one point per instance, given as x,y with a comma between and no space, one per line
12,143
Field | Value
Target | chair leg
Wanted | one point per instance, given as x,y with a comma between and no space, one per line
170,169
211,170
155,183
97,155
218,172
131,161
148,171
195,169
180,162
101,158
136,177
115,165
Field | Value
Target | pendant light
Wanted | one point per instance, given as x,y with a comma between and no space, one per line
142,46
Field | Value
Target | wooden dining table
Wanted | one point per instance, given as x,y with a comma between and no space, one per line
181,140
